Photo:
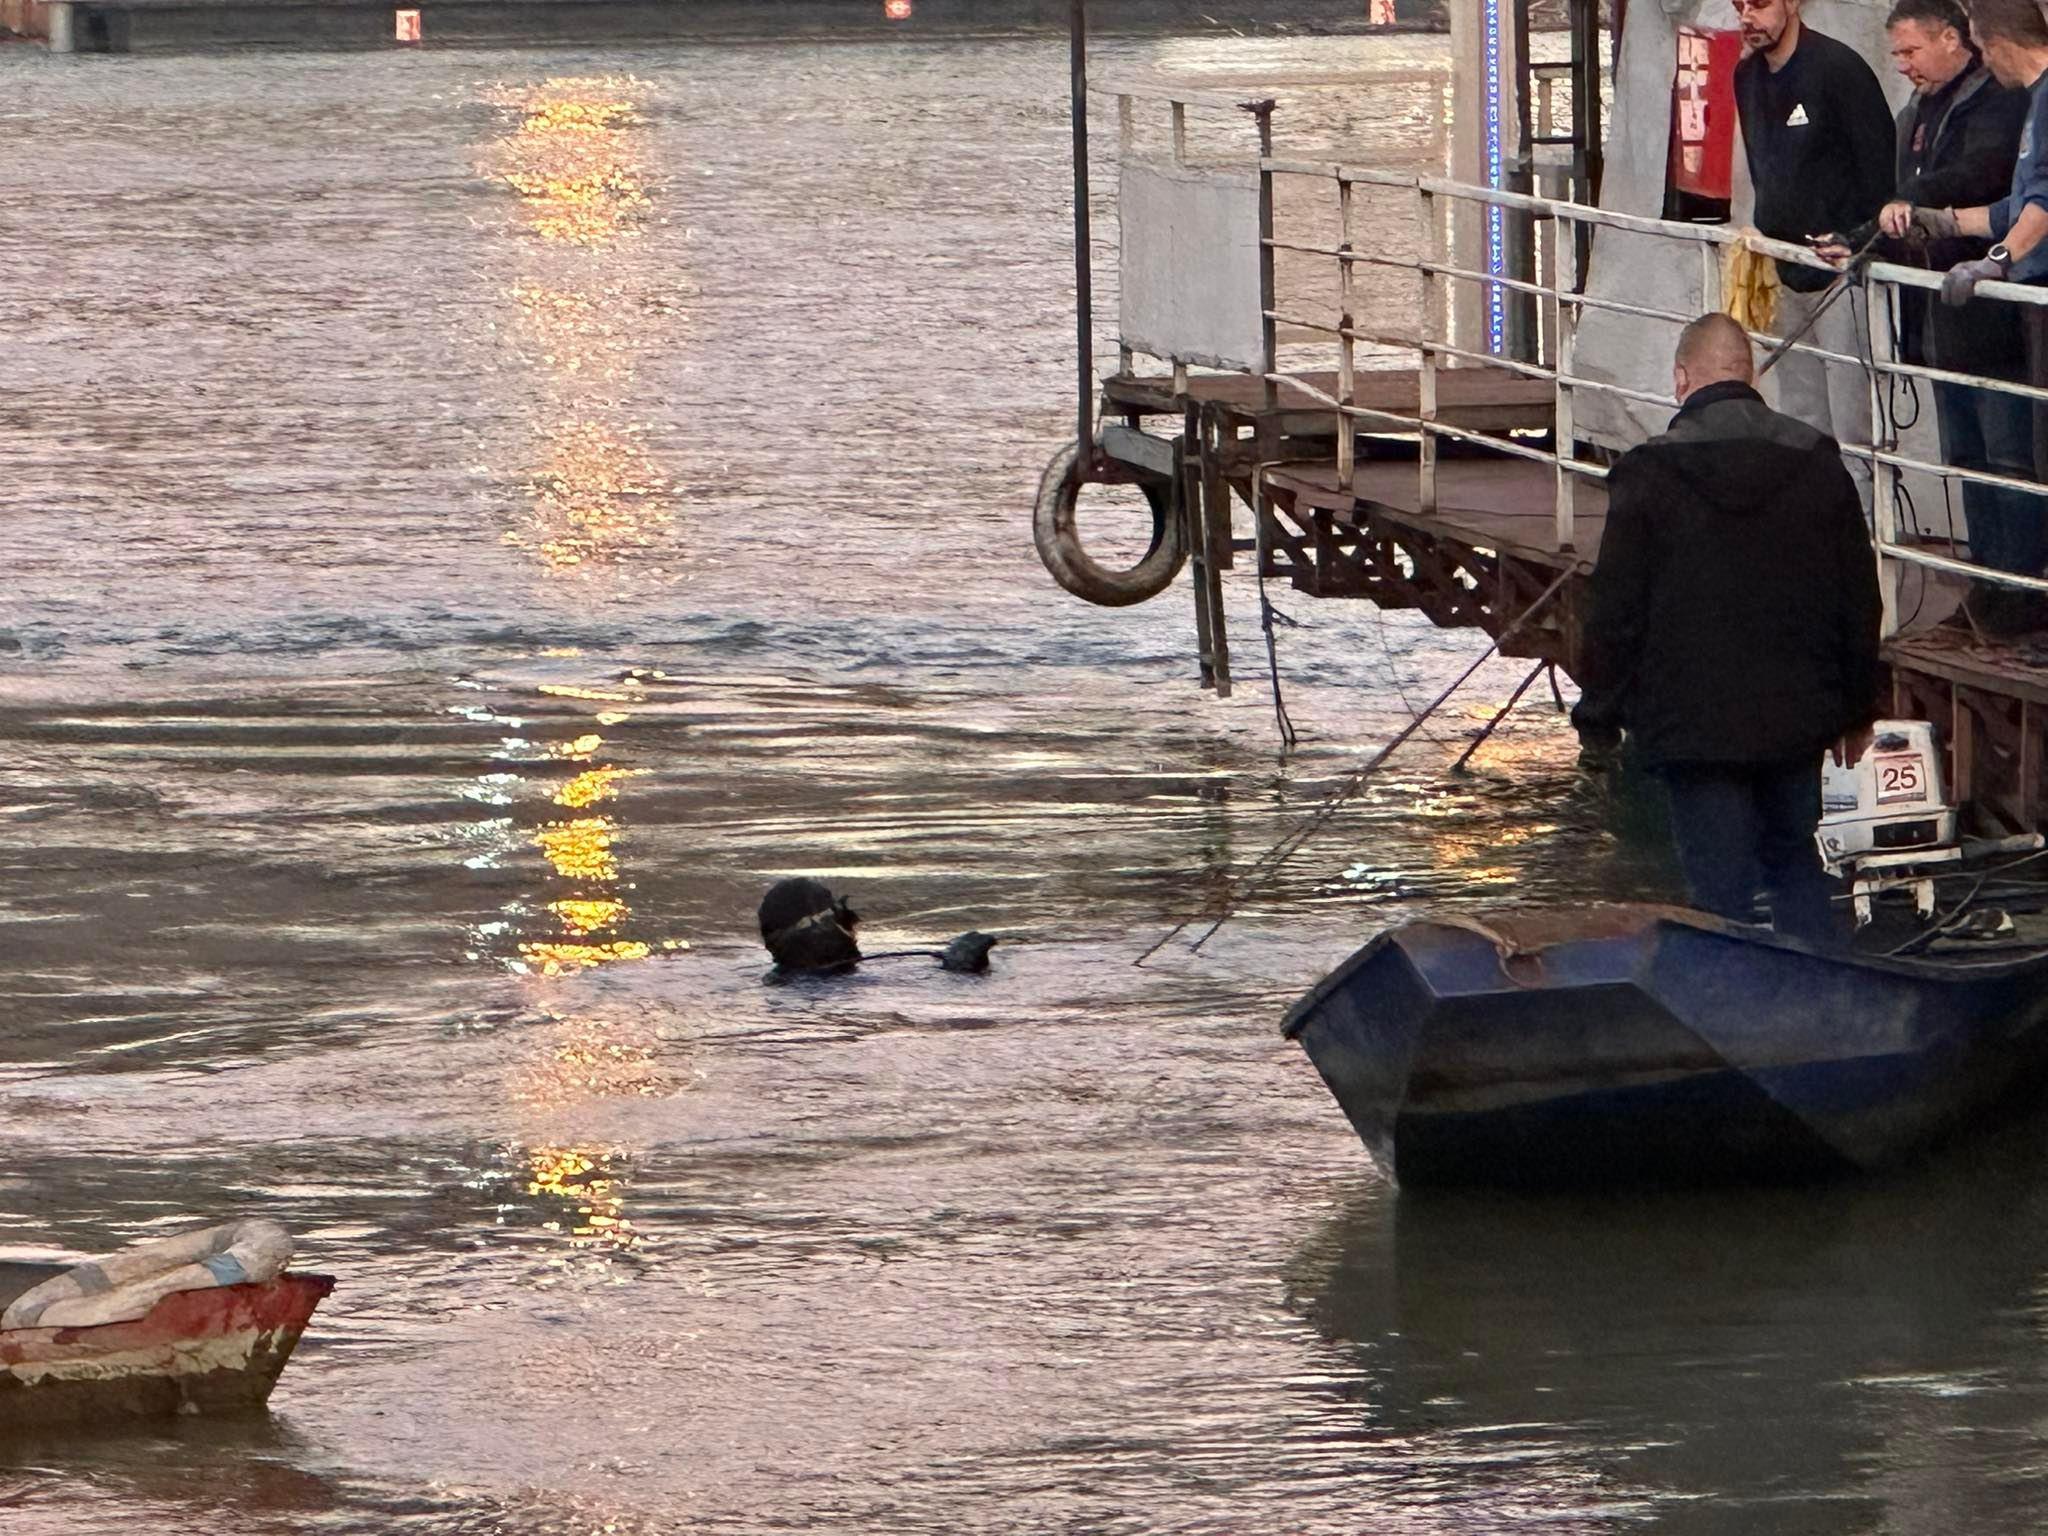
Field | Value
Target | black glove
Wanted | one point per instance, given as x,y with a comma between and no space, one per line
1599,738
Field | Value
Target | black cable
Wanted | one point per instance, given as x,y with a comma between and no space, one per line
1291,843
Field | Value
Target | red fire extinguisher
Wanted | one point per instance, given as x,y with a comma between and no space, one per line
1703,112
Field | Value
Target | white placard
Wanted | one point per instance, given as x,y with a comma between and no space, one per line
1191,264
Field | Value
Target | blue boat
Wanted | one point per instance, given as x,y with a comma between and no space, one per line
1637,1044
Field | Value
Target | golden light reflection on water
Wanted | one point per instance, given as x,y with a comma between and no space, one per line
588,1184
569,158
581,849
576,747
587,914
592,786
582,852
596,496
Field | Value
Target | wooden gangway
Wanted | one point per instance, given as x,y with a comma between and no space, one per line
1489,548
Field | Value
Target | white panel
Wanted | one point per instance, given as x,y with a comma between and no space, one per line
1191,264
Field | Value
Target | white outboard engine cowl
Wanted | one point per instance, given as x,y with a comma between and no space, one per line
1891,802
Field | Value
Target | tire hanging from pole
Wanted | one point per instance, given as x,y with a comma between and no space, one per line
1059,540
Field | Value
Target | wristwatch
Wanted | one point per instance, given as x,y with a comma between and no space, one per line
2001,254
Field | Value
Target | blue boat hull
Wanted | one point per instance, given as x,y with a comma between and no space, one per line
1646,1044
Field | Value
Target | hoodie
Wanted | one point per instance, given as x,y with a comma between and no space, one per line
1735,610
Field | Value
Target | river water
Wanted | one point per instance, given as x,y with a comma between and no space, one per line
473,519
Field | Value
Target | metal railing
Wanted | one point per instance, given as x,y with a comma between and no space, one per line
1254,108
1563,308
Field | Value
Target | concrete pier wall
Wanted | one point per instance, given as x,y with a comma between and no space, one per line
133,25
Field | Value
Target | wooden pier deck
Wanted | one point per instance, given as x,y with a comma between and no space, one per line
1489,549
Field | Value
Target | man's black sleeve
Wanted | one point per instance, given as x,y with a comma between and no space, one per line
1980,172
1860,611
1620,604
1872,135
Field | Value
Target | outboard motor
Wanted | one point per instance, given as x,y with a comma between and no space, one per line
1886,823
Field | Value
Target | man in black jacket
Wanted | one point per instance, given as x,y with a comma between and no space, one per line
1957,140
1818,133
1734,631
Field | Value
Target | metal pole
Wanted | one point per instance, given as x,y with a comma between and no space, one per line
1084,299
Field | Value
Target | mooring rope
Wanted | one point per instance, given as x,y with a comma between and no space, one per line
1280,852
1267,614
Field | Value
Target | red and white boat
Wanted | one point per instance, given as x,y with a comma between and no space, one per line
209,1336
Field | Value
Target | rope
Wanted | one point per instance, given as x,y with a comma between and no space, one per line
1849,277
1487,730
1267,614
1267,863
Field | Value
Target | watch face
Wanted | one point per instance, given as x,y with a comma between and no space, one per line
1999,253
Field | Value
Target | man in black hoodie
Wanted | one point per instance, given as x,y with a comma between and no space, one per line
1734,631
1818,133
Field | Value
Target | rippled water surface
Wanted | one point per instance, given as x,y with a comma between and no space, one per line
472,520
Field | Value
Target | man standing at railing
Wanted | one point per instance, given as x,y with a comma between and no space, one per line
1818,133
1957,139
1734,631
2013,38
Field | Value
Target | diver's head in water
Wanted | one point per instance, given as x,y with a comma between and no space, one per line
807,928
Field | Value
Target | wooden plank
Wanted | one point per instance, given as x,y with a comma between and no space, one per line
1480,399
1958,657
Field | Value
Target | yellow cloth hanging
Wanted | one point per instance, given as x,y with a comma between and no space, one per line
1749,287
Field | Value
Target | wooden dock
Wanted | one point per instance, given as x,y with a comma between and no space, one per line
1488,549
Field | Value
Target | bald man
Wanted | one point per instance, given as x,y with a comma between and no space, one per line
1733,632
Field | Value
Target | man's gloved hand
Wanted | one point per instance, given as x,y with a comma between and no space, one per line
1599,748
1599,738
1934,223
1962,280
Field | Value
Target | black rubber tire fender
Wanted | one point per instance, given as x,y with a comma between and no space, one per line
1059,541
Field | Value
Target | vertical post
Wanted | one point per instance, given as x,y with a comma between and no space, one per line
1269,340
1564,325
1432,240
1084,298
1347,378
63,38
1126,135
1191,478
1884,478
1588,156
1215,491
1180,133
1518,232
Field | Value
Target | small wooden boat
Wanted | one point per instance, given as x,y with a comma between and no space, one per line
198,1351
1652,1044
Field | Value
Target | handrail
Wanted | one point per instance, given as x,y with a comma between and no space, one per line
1564,307
1144,89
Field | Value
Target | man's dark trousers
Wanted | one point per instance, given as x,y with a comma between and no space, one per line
1742,827
1987,429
